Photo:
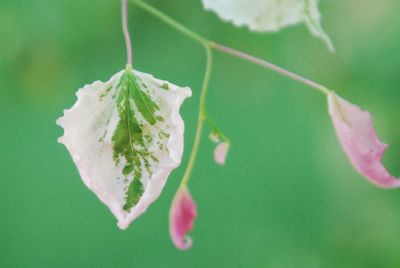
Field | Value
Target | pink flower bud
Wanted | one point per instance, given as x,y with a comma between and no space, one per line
220,153
182,215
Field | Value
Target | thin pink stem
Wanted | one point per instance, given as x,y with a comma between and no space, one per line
126,31
270,66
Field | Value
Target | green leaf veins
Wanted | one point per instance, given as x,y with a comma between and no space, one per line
128,140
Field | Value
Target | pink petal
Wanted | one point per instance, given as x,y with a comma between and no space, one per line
220,152
182,215
360,142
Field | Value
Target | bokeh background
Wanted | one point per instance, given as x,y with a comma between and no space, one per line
287,196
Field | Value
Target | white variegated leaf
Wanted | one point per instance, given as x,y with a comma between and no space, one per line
270,15
125,137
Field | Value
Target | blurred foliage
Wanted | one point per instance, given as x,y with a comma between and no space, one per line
287,196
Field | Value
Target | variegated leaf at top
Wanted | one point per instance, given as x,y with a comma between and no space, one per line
126,136
270,15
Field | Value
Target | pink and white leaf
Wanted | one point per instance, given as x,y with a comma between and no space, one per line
360,142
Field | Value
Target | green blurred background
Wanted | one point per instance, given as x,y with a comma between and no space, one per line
287,196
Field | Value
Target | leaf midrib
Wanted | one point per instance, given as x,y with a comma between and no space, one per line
143,100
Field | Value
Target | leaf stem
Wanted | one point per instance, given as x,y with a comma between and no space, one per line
214,127
168,20
270,66
201,118
128,43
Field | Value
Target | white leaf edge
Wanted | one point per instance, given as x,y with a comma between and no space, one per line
270,15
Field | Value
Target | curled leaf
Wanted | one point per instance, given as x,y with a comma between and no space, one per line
182,215
125,137
270,15
359,141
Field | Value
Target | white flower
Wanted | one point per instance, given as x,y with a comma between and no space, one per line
270,15
125,137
